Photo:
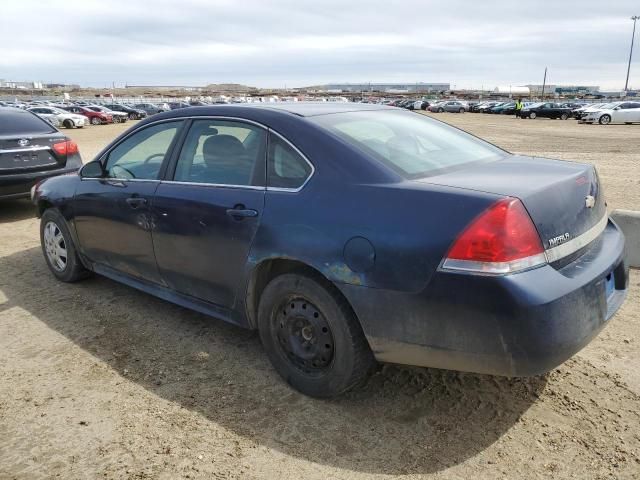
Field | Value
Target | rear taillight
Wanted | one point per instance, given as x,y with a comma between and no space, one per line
501,240
68,147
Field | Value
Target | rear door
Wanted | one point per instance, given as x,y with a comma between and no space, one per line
629,112
207,213
113,214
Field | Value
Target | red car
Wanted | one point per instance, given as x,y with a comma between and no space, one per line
96,118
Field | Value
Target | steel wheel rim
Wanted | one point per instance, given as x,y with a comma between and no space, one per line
304,336
55,246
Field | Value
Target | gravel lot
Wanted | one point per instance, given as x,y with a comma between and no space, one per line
101,381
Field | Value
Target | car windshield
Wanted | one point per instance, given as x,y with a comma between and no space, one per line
609,106
412,145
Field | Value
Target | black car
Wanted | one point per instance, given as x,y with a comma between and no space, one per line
31,149
546,110
134,113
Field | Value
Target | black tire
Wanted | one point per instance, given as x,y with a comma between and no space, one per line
95,121
604,120
67,124
73,269
461,110
312,337
441,110
132,116
532,115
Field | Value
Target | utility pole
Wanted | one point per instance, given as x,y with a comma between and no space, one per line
626,83
544,82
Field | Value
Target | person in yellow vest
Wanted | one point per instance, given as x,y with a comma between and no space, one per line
519,107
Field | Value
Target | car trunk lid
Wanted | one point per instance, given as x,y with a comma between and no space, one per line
26,153
564,199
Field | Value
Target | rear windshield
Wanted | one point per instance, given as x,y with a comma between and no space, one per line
22,123
410,143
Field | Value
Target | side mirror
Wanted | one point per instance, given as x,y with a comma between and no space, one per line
92,170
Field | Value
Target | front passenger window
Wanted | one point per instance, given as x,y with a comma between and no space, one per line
141,155
223,152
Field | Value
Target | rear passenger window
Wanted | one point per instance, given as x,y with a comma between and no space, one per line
286,168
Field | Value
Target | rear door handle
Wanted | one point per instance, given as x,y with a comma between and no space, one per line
136,202
239,212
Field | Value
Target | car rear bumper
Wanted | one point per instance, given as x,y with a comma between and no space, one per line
515,325
19,185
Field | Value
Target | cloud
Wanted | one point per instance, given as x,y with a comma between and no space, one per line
298,43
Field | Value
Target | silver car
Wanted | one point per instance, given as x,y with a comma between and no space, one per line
453,106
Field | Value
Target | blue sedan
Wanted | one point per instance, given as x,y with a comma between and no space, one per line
347,234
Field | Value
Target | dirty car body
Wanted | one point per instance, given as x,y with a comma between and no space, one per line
450,252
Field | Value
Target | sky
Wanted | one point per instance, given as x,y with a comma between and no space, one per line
278,43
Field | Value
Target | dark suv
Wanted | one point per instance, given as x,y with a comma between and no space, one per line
31,149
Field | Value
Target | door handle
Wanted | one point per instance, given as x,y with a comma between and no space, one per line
239,211
136,202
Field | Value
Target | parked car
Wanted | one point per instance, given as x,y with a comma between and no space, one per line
174,105
546,110
435,107
503,108
133,113
31,149
452,106
418,105
487,278
118,117
618,112
578,113
150,108
62,117
95,118
487,106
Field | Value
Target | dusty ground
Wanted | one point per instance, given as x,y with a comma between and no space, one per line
100,381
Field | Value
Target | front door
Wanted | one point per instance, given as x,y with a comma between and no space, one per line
113,214
208,214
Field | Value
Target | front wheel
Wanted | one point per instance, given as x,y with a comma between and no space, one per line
132,116
605,120
533,115
564,116
95,121
441,110
461,110
312,337
58,248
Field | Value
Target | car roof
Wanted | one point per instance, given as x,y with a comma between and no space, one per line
311,109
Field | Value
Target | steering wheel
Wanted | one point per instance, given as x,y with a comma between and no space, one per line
127,173
148,159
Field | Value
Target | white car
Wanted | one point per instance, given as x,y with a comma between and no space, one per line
58,117
618,112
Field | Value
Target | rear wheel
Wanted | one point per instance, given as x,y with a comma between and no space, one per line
533,115
312,337
58,248
605,120
564,116
67,124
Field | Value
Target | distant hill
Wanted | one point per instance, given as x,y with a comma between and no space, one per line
229,87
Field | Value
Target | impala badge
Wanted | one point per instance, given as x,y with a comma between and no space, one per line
590,201
559,240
